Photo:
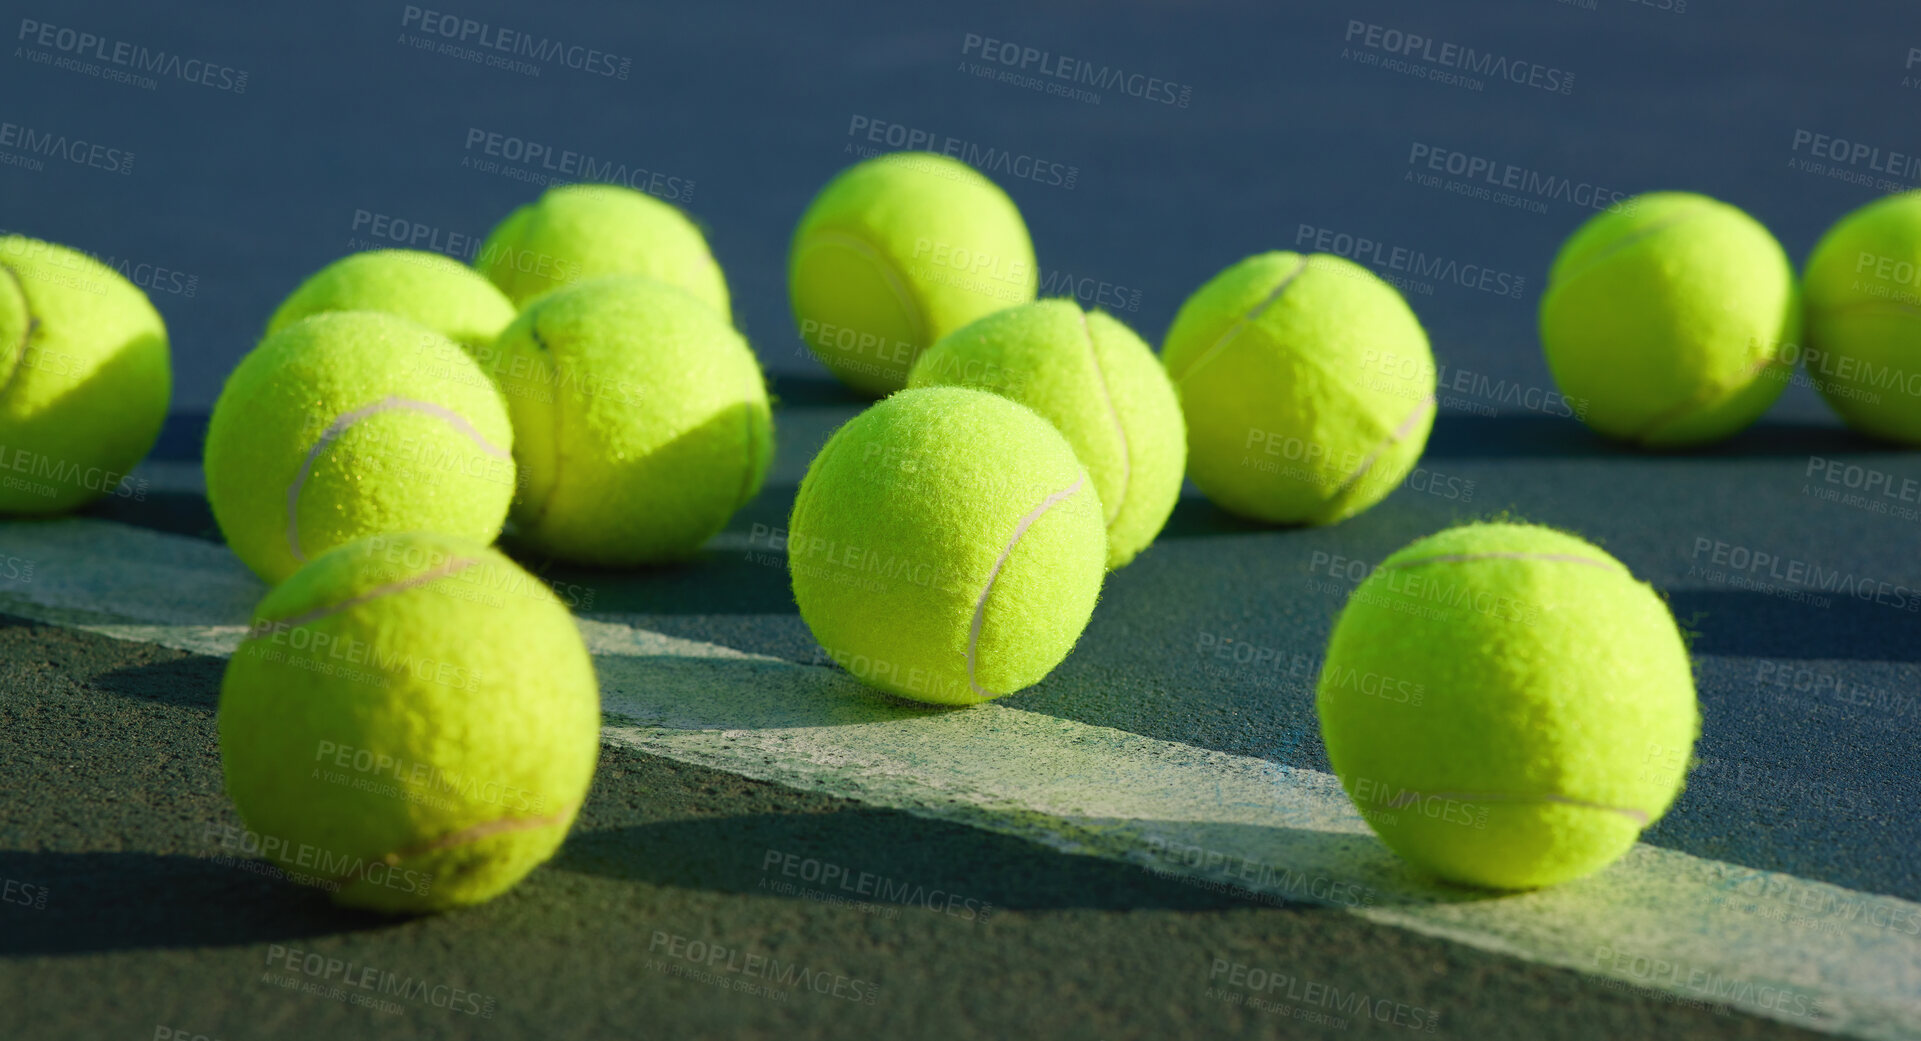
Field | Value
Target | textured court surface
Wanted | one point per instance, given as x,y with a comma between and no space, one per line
1145,845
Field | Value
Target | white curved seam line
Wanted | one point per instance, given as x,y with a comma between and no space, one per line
1235,330
391,403
1711,393
1393,438
894,282
1456,558
1686,214
1409,798
1120,429
485,829
980,605
452,567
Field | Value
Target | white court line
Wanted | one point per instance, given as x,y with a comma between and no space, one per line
1774,945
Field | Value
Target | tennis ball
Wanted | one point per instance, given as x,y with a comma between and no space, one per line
353,423
412,721
1673,318
897,252
578,232
1507,706
1863,286
947,546
1099,385
641,421
84,378
1307,385
438,292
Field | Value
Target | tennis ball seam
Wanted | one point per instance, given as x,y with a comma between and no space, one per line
18,358
477,832
1681,216
1394,437
344,421
890,273
1706,396
453,566
1120,428
1407,797
980,604
750,463
1242,323
555,406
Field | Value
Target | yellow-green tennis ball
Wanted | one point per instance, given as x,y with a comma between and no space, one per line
947,546
641,421
1507,706
1307,384
1863,289
411,722
440,293
897,252
578,232
1674,318
1099,385
355,423
84,378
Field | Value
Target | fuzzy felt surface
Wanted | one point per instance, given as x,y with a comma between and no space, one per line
1307,384
641,421
578,232
413,718
1507,705
85,377
355,423
897,252
439,292
1099,384
947,546
1673,319
1863,295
